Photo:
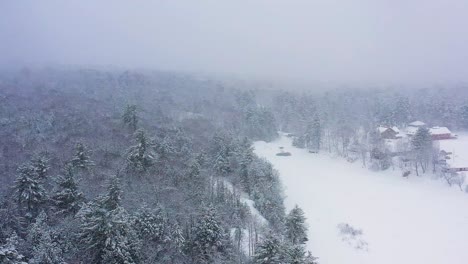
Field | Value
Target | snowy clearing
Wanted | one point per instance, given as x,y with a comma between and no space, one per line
459,149
415,220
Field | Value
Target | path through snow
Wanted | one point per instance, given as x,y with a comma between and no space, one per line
415,220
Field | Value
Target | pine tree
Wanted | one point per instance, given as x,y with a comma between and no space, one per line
196,182
208,239
112,199
296,254
150,224
221,162
140,156
44,249
130,117
310,259
29,191
105,229
40,165
176,243
81,158
245,157
296,229
314,134
67,199
463,114
422,148
269,251
8,252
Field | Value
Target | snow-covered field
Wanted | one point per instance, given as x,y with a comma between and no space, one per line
415,220
459,149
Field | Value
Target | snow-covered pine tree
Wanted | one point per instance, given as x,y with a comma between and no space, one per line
196,182
310,259
245,156
130,117
175,244
67,200
113,197
44,249
8,252
315,134
296,229
208,240
40,165
296,254
150,224
140,157
463,115
105,229
29,191
269,251
81,158
221,162
122,244
422,148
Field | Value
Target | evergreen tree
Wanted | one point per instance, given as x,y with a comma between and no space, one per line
112,199
296,254
81,158
67,199
105,229
141,156
309,259
130,117
208,239
402,110
29,191
296,229
8,252
44,249
246,157
269,251
314,134
463,113
150,224
221,163
196,182
40,165
175,245
422,148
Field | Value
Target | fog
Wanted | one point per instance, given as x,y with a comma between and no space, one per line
353,42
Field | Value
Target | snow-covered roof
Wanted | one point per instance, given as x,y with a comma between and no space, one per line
439,131
396,129
417,123
411,130
382,129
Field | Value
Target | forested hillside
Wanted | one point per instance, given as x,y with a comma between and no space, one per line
130,167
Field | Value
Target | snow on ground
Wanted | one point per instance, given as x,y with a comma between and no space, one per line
415,220
459,149
244,198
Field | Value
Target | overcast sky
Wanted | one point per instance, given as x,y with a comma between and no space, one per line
347,41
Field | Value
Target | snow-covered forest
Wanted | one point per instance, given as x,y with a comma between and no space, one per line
159,167
124,167
233,132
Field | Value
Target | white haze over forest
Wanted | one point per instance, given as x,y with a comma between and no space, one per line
362,42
